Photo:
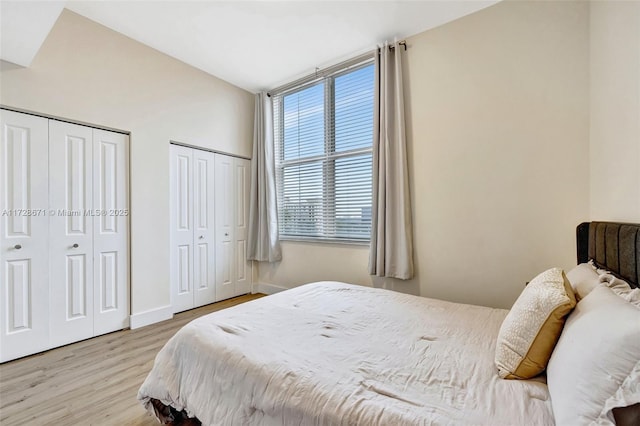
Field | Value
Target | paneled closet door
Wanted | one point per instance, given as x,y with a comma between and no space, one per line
182,229
71,232
242,268
224,218
110,231
204,278
24,291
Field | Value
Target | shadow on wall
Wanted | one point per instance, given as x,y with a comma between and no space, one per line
402,286
305,262
8,66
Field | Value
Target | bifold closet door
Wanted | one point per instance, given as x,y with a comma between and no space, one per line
225,204
181,222
64,269
71,232
204,278
89,249
110,231
242,267
232,214
24,291
192,269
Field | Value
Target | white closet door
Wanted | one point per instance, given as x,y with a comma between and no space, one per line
110,231
204,278
181,222
242,267
71,232
225,203
24,291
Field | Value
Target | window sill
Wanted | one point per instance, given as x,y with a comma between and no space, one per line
340,241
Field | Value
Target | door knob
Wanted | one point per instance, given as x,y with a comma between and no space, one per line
201,237
226,234
17,247
75,245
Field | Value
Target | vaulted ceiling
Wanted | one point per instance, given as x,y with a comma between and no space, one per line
252,44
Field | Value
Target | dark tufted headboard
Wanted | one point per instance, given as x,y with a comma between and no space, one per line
613,246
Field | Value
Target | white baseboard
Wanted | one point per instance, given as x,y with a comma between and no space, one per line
267,288
151,316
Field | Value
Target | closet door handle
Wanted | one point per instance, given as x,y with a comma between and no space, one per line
75,245
226,234
17,247
201,237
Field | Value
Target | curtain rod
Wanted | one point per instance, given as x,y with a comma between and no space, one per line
320,72
402,43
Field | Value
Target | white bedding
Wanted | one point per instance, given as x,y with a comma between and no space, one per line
333,353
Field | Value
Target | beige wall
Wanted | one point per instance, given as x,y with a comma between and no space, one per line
89,73
615,111
499,119
498,133
309,262
498,125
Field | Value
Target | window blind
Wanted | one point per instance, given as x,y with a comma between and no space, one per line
323,135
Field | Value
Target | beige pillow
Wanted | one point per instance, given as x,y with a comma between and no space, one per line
583,279
533,325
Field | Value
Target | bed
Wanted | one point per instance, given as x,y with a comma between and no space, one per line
333,353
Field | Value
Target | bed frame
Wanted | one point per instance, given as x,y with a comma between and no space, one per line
611,245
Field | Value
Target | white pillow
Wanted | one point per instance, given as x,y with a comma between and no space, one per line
621,288
594,367
583,279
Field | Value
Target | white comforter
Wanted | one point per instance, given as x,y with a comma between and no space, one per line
333,353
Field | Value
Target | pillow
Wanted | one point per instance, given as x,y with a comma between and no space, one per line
583,279
595,366
621,288
533,325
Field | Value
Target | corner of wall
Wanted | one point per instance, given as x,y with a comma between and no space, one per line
614,106
265,288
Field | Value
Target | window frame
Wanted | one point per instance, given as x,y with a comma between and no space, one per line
328,158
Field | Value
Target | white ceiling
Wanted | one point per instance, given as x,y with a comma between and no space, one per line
259,45
24,26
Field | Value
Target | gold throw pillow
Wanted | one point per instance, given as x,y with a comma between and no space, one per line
533,325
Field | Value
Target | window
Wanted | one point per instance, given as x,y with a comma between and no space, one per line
323,137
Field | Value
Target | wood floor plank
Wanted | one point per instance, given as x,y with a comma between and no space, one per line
93,382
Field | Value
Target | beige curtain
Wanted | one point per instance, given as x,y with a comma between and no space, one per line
391,253
263,244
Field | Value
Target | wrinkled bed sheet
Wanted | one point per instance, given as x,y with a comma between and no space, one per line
332,353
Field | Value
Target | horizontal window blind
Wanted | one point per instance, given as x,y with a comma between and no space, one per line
323,136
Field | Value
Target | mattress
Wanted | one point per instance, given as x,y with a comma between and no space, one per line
331,353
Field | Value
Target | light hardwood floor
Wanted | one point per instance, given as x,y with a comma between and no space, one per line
93,382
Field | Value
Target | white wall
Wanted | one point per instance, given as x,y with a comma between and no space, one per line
615,111
498,133
89,73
